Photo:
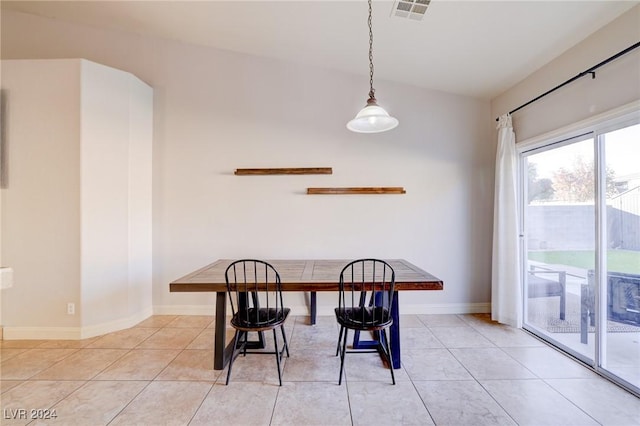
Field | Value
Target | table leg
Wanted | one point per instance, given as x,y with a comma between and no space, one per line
259,344
314,311
366,344
394,335
220,353
394,332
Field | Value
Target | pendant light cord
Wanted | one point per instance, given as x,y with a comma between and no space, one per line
371,89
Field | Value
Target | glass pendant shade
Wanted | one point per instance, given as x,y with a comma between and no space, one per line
372,119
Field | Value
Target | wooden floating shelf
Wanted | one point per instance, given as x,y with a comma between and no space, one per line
285,171
358,190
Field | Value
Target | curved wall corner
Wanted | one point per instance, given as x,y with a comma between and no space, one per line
76,204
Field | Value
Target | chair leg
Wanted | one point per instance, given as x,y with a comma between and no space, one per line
584,313
339,338
236,337
275,344
246,339
284,337
387,351
342,353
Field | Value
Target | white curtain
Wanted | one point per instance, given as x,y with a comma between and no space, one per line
506,292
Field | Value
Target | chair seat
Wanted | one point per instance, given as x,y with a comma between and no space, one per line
255,296
259,319
364,318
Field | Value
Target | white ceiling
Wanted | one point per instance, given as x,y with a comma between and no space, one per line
477,48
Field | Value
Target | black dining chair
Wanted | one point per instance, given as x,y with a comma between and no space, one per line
365,298
255,296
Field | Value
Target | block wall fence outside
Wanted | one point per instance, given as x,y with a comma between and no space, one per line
570,227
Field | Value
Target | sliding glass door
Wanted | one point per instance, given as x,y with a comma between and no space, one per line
619,275
581,239
560,218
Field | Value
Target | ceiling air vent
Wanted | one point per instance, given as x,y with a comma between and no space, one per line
412,9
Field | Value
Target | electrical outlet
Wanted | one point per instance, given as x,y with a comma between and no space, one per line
71,308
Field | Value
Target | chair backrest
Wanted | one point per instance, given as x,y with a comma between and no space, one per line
254,290
367,278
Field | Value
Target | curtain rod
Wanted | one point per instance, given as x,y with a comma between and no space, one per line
591,71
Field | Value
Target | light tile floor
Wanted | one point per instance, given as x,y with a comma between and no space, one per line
456,370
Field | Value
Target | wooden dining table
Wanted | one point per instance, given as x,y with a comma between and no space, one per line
310,275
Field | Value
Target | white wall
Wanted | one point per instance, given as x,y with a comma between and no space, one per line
77,204
40,203
616,84
215,111
115,195
140,244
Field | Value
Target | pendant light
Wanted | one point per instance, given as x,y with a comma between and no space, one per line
372,118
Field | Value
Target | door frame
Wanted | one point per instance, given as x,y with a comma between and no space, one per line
594,127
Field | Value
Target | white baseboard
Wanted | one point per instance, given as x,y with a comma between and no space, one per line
407,309
117,325
74,333
447,308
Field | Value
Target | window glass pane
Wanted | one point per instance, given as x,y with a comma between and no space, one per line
621,290
560,242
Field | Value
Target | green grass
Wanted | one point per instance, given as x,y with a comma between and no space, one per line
626,261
